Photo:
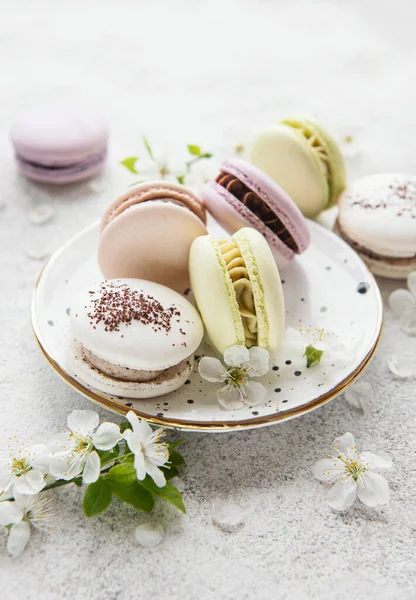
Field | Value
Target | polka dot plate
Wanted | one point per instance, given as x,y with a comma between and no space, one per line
329,295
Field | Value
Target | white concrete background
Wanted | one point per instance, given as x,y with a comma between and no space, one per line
186,71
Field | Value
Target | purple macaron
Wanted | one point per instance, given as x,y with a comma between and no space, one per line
244,196
60,144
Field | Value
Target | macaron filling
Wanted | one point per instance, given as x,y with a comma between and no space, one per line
239,275
75,167
161,193
118,372
258,207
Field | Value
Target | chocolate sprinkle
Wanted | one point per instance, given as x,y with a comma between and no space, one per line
117,304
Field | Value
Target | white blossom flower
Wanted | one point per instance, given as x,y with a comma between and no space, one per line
235,142
403,304
351,475
160,168
17,516
149,452
74,451
243,364
316,345
20,474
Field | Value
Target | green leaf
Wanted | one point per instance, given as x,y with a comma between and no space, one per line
194,150
106,456
171,472
148,147
169,493
176,459
130,163
313,355
125,425
135,495
78,481
181,179
207,155
173,445
124,473
135,183
97,497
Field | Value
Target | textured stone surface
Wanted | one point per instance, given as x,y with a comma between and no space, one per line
187,72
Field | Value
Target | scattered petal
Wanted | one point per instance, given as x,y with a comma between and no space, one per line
411,283
401,301
227,515
360,396
408,322
402,369
41,214
150,534
37,251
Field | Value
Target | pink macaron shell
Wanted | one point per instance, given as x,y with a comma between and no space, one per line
60,176
234,215
150,240
274,196
59,135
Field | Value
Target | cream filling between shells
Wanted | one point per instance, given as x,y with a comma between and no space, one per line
238,273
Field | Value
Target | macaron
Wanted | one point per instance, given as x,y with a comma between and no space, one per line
60,144
377,217
303,158
133,338
237,288
244,196
147,232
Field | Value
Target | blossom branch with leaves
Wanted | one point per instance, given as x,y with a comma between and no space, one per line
130,463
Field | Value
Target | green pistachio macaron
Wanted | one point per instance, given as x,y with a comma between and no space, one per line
305,160
237,288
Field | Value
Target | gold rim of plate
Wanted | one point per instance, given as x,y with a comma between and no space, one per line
213,426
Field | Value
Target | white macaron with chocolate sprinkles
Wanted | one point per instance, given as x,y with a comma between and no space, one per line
377,217
133,338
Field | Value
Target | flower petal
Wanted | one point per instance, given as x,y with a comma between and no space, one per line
295,339
106,436
6,478
375,461
133,440
18,538
10,513
255,394
34,452
236,356
401,301
408,322
140,426
139,465
328,469
259,361
229,398
411,283
83,422
373,489
92,468
155,473
211,369
342,494
29,483
344,443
